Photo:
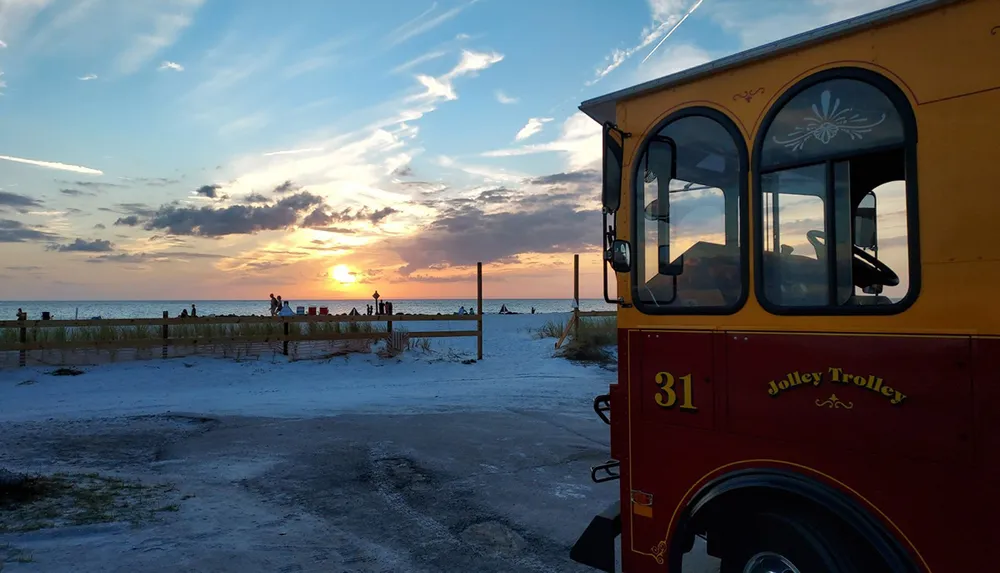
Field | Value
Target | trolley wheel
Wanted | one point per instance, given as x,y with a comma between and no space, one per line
768,542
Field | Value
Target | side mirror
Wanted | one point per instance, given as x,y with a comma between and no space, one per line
620,256
865,227
611,193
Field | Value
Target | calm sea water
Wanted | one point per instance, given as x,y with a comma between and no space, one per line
154,308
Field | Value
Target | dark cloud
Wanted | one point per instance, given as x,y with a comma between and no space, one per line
73,210
584,176
83,246
465,233
498,195
16,200
129,221
140,257
255,198
76,192
210,191
402,171
95,185
157,181
24,268
106,209
286,187
235,219
17,232
338,230
140,209
100,226
322,218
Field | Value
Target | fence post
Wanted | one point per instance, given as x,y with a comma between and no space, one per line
479,306
576,297
166,333
284,345
22,356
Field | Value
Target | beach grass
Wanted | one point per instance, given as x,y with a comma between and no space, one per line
101,333
587,343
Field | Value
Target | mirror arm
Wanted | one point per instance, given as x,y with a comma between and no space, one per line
609,237
613,127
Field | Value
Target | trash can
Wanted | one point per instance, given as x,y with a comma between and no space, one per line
300,310
324,310
312,310
46,315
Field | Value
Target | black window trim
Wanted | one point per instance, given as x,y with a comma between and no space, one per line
744,214
908,119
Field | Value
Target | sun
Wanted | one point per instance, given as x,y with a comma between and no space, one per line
342,274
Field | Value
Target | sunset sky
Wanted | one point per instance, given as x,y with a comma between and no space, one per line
224,149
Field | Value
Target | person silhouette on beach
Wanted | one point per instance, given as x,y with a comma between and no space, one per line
21,315
194,311
184,313
388,307
275,305
381,307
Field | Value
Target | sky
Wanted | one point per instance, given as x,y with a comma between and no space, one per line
226,149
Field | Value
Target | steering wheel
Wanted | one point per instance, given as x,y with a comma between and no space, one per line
867,269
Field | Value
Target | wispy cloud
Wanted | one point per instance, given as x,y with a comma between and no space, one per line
505,99
580,143
417,61
168,65
667,15
470,63
533,126
423,23
3,44
87,77
248,122
170,19
293,151
53,165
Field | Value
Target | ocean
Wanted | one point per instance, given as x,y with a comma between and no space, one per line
84,309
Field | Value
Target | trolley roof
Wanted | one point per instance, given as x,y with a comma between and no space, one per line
602,109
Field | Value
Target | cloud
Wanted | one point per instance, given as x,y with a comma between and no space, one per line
98,185
76,192
87,77
286,187
83,246
441,87
322,218
53,165
533,126
584,176
422,24
255,198
3,44
100,226
402,171
129,221
168,65
168,20
235,219
468,231
293,151
154,181
580,143
417,61
666,15
505,99
16,232
16,200
210,191
671,60
143,257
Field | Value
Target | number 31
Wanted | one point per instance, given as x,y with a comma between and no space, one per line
666,396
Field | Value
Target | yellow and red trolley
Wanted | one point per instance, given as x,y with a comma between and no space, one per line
809,349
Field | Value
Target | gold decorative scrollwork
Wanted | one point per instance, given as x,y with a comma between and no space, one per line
748,94
834,402
993,32
659,550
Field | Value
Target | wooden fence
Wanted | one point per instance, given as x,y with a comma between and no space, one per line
574,320
166,333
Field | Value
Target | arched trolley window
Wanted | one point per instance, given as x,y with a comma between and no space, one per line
835,198
689,212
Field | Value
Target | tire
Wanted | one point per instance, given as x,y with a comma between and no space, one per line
770,542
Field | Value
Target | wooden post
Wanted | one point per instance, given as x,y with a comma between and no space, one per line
22,356
479,306
284,345
576,297
166,333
